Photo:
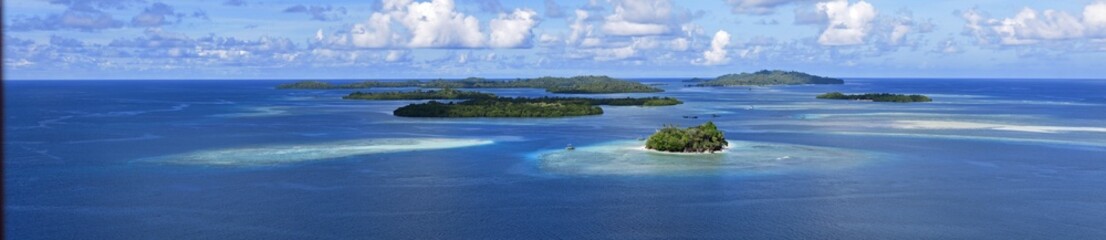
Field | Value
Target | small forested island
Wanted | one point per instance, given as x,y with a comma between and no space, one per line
447,93
578,84
525,107
876,97
764,78
699,139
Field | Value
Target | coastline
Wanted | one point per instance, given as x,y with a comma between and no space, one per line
724,150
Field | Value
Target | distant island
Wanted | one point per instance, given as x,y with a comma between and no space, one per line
699,139
578,84
764,78
312,84
526,107
448,93
876,97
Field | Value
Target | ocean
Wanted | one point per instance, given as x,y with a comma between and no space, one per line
238,159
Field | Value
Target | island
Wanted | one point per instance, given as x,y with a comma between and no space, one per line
705,138
876,97
447,93
320,85
578,84
543,107
764,78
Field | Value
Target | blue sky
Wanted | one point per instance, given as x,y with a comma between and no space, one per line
294,39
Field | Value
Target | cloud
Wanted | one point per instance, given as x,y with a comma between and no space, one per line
83,19
644,17
436,25
757,7
514,30
948,46
433,24
1030,26
1094,19
810,14
580,28
236,3
717,54
428,25
638,17
318,12
900,30
95,4
552,10
155,15
679,44
848,24
398,56
83,15
375,33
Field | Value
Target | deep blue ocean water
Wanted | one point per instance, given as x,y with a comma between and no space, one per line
988,159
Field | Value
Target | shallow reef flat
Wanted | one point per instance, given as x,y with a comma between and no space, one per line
966,125
286,154
741,157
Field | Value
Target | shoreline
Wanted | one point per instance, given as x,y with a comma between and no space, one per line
644,149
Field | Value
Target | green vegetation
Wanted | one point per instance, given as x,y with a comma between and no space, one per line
876,97
766,77
649,101
698,139
359,85
447,93
578,84
496,109
526,107
306,85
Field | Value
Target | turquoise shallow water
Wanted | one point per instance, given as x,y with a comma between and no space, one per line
989,159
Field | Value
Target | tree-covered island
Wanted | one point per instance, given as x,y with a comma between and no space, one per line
578,84
525,107
876,97
764,78
419,94
699,139
312,84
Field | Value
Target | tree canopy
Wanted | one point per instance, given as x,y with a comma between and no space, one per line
525,107
578,84
447,93
876,97
765,77
702,138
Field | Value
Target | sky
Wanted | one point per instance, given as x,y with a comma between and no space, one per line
404,39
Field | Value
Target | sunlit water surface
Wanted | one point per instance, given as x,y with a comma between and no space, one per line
988,159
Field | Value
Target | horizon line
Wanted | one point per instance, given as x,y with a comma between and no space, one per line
505,78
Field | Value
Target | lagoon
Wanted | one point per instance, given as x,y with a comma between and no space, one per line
988,159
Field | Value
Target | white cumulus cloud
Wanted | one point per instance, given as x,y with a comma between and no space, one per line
717,54
375,33
1031,26
848,24
513,30
437,24
640,18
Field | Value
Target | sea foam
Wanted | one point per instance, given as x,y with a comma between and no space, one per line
741,157
284,154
